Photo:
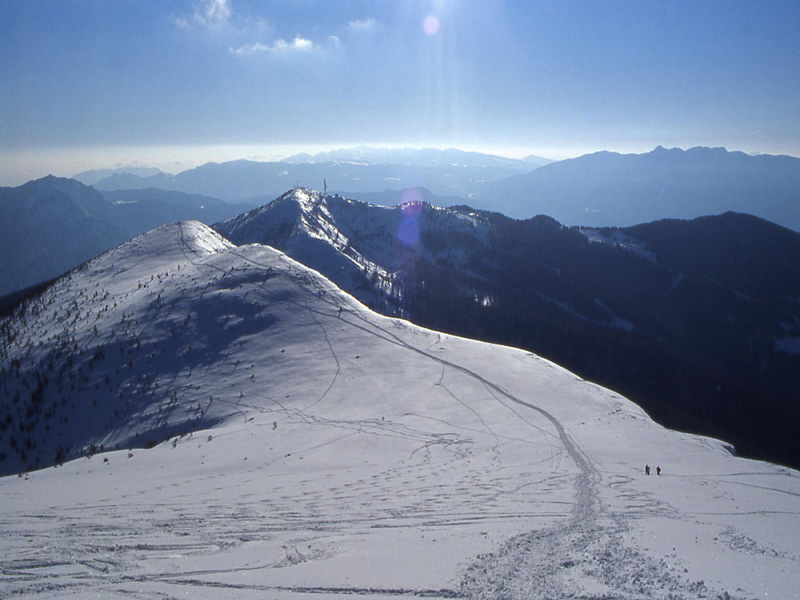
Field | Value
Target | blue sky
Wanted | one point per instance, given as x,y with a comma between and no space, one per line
90,83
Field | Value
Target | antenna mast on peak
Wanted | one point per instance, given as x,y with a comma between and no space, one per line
325,186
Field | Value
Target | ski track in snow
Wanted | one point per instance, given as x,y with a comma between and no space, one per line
132,544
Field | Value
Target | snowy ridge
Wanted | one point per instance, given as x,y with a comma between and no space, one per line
383,245
301,223
304,446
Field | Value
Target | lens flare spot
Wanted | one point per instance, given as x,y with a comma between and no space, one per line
411,208
430,25
408,232
412,203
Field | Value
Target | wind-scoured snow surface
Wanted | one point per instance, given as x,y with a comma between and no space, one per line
329,452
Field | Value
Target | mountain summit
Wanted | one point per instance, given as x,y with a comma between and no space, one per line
367,250
304,224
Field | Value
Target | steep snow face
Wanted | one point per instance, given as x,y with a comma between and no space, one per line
307,447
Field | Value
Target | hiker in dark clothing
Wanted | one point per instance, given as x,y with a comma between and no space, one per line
658,470
647,469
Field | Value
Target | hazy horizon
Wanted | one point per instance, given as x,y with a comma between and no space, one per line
178,83
15,170
68,164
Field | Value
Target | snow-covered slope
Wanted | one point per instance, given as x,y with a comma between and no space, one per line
330,451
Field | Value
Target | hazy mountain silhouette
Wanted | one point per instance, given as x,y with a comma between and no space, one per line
49,226
52,225
92,176
610,189
424,157
449,173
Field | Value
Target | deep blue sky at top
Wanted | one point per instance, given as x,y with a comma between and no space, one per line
550,77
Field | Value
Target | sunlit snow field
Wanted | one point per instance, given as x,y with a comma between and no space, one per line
348,454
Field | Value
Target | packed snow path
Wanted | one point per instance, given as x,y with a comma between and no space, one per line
352,455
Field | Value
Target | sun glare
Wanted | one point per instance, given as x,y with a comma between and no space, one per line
430,25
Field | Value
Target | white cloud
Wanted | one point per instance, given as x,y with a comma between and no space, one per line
299,43
217,10
209,13
363,25
279,46
256,48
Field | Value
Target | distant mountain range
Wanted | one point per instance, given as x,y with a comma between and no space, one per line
610,189
695,321
444,172
52,225
425,157
92,176
601,189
